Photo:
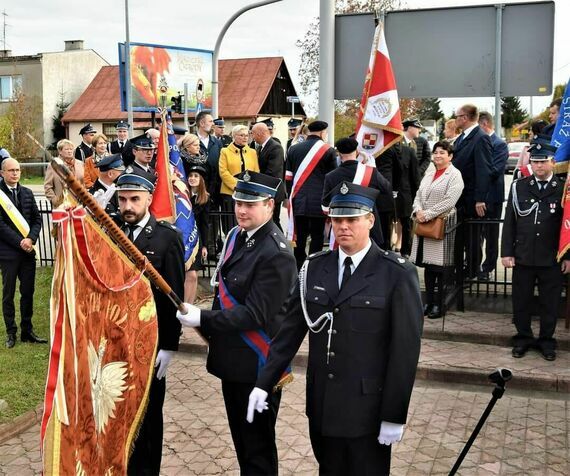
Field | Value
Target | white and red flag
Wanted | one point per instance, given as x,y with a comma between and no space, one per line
379,124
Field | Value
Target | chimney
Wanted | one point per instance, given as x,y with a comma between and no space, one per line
73,45
5,53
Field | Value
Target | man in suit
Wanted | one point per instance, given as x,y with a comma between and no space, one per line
20,226
495,197
307,164
271,161
256,275
412,138
143,151
363,356
161,243
210,147
350,170
473,157
553,113
104,190
84,149
122,145
529,245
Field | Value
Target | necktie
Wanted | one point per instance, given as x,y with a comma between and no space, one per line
347,273
15,197
130,231
542,184
458,140
240,240
120,144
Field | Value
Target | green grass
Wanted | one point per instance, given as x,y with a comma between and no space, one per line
23,368
33,180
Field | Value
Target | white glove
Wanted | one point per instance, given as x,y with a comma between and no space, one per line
257,401
190,318
163,359
390,433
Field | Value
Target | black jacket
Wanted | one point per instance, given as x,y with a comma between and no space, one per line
496,193
346,172
533,244
201,214
423,154
307,201
473,157
10,237
212,153
375,343
271,161
260,277
126,151
82,151
161,243
405,177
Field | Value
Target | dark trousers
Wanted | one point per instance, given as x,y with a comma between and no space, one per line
277,215
306,226
147,453
549,280
434,285
471,236
254,442
21,267
407,237
490,234
228,215
360,456
386,219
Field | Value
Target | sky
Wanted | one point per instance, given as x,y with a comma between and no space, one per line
35,26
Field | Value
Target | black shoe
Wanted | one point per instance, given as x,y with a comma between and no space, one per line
435,312
519,351
427,309
549,354
10,341
483,277
33,338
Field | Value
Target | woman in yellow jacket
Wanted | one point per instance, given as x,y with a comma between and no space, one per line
234,159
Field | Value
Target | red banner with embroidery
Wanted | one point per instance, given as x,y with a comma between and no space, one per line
103,344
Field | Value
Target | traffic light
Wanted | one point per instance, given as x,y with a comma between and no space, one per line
177,103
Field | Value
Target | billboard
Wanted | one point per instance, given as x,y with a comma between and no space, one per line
152,64
451,52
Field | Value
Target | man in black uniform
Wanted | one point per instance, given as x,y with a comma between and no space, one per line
84,149
20,226
143,150
351,170
219,129
122,145
293,126
531,231
412,138
307,164
364,309
161,243
104,190
256,275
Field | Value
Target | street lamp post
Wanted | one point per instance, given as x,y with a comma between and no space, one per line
129,99
215,103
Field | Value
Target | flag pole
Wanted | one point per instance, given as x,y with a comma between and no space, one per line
113,230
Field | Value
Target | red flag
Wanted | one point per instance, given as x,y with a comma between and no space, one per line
564,243
379,124
163,206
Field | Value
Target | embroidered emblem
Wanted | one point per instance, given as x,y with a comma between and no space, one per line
344,189
246,177
282,245
401,260
250,243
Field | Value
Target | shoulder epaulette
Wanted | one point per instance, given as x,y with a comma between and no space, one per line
318,254
394,257
279,240
167,224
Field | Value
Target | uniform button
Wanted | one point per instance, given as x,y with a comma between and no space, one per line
367,302
538,223
316,298
330,376
336,310
538,234
334,332
331,354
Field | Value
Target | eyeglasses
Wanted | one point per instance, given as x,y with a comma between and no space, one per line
460,115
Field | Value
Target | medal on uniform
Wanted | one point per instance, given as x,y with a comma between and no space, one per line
552,207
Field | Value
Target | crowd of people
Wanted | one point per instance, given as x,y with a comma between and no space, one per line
359,296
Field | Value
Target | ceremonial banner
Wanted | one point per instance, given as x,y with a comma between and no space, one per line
379,124
104,337
561,139
171,198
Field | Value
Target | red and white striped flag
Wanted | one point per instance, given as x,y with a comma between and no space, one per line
379,124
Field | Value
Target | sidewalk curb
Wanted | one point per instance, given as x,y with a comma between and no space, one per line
443,374
20,424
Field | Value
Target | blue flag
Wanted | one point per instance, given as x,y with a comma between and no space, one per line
561,136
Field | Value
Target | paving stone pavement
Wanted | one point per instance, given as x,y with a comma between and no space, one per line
526,434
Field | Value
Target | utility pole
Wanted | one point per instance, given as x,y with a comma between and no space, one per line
129,98
326,65
5,47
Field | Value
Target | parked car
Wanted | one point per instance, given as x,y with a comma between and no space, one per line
515,150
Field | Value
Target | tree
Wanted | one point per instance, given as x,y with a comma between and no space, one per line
57,128
20,120
511,112
409,107
309,44
429,108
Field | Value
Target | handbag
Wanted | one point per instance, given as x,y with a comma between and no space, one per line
434,229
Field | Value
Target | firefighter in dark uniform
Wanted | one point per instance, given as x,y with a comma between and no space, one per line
292,126
364,310
256,274
529,245
104,189
347,149
122,145
84,150
161,243
143,150
308,215
219,127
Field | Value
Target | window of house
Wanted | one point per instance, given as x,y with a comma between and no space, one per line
110,131
8,87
